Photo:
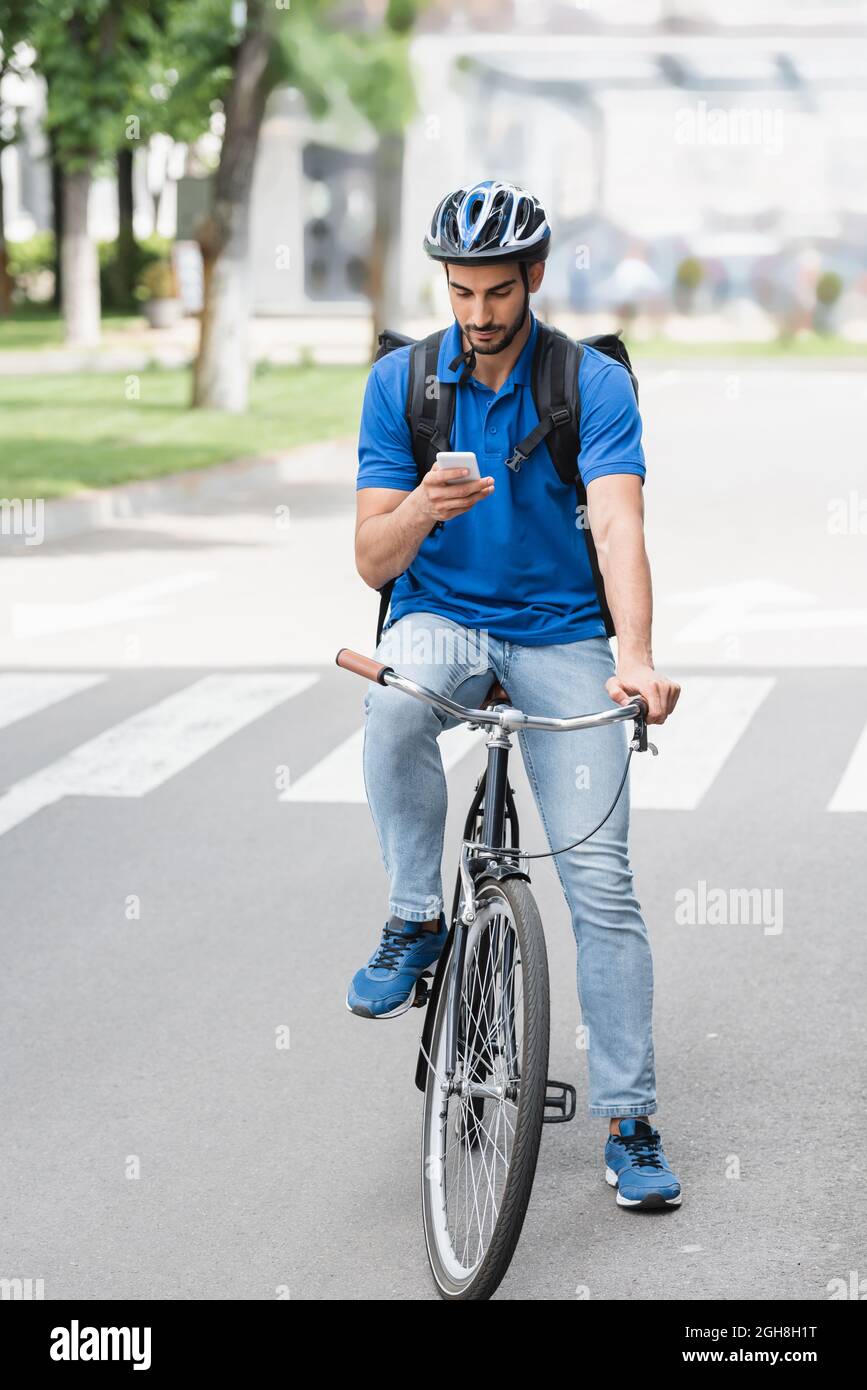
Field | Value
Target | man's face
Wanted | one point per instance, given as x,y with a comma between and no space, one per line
488,301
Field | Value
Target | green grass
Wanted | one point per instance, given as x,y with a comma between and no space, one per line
39,326
817,345
61,433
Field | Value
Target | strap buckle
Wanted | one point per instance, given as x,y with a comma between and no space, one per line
561,416
515,461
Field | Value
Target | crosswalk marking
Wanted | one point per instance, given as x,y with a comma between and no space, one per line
138,754
851,793
712,715
28,692
339,776
142,752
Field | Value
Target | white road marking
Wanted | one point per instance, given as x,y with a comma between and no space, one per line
851,793
28,692
339,776
127,605
728,609
711,716
142,752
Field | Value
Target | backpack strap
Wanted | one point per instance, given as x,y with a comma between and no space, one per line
430,404
554,377
430,413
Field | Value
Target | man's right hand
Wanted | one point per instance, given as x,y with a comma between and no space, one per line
440,501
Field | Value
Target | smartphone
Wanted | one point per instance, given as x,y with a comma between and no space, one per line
457,460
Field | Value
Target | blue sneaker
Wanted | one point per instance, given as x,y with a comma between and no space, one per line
637,1167
388,984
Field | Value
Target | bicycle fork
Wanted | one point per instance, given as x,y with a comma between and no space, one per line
485,857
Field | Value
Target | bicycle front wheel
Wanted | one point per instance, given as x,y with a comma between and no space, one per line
481,1133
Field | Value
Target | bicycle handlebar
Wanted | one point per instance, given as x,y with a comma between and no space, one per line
502,716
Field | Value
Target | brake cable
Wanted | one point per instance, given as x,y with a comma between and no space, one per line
640,744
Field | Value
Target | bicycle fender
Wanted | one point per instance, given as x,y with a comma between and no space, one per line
496,876
421,1067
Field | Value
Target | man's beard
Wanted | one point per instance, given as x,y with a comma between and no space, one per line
499,344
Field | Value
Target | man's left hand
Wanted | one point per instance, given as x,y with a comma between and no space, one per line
660,693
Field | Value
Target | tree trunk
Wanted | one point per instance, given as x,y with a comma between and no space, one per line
124,265
221,374
384,277
57,222
5,277
80,263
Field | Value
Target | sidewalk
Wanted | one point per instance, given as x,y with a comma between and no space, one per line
326,339
331,461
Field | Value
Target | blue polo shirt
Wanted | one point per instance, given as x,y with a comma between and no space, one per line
516,563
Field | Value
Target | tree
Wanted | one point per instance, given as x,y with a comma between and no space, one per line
221,370
15,21
318,48
380,86
92,54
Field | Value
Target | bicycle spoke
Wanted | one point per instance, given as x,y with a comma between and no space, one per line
477,1132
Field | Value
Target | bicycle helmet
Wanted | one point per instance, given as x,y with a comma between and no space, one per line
490,221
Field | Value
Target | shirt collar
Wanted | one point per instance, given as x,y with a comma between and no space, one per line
451,346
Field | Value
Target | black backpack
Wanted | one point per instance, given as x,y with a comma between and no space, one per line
554,383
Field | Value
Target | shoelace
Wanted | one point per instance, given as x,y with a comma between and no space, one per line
634,1143
394,945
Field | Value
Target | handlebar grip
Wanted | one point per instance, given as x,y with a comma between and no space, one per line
362,665
642,704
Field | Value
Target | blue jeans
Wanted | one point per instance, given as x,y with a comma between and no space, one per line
574,777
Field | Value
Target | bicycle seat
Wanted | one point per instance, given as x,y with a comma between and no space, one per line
495,696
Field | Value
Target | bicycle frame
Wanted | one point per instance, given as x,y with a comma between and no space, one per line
484,1050
487,858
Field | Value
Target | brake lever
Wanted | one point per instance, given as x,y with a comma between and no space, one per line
639,742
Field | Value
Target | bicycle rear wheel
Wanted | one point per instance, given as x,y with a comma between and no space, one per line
480,1143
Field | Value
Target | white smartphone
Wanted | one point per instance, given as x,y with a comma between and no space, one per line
458,460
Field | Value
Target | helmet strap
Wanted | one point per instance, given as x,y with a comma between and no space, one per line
468,357
526,278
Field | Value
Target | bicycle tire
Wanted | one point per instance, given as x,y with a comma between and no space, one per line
484,1278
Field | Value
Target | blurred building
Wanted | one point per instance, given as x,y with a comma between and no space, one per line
661,131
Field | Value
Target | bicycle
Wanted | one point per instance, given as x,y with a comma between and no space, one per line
483,1054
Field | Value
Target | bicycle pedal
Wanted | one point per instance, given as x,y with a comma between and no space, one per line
422,991
559,1097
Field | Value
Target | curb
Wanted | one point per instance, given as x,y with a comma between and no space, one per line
331,461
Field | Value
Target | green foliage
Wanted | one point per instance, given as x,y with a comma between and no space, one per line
30,256
829,287
157,281
376,71
690,273
144,253
371,65
100,59
197,66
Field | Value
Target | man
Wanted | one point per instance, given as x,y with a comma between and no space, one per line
510,562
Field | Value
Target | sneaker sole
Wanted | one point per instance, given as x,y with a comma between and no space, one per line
653,1200
361,1012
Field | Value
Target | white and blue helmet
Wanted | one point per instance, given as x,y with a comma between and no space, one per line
491,221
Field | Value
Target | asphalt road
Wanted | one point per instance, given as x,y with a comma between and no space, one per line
190,877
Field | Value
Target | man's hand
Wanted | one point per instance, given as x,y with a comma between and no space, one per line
637,678
440,500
